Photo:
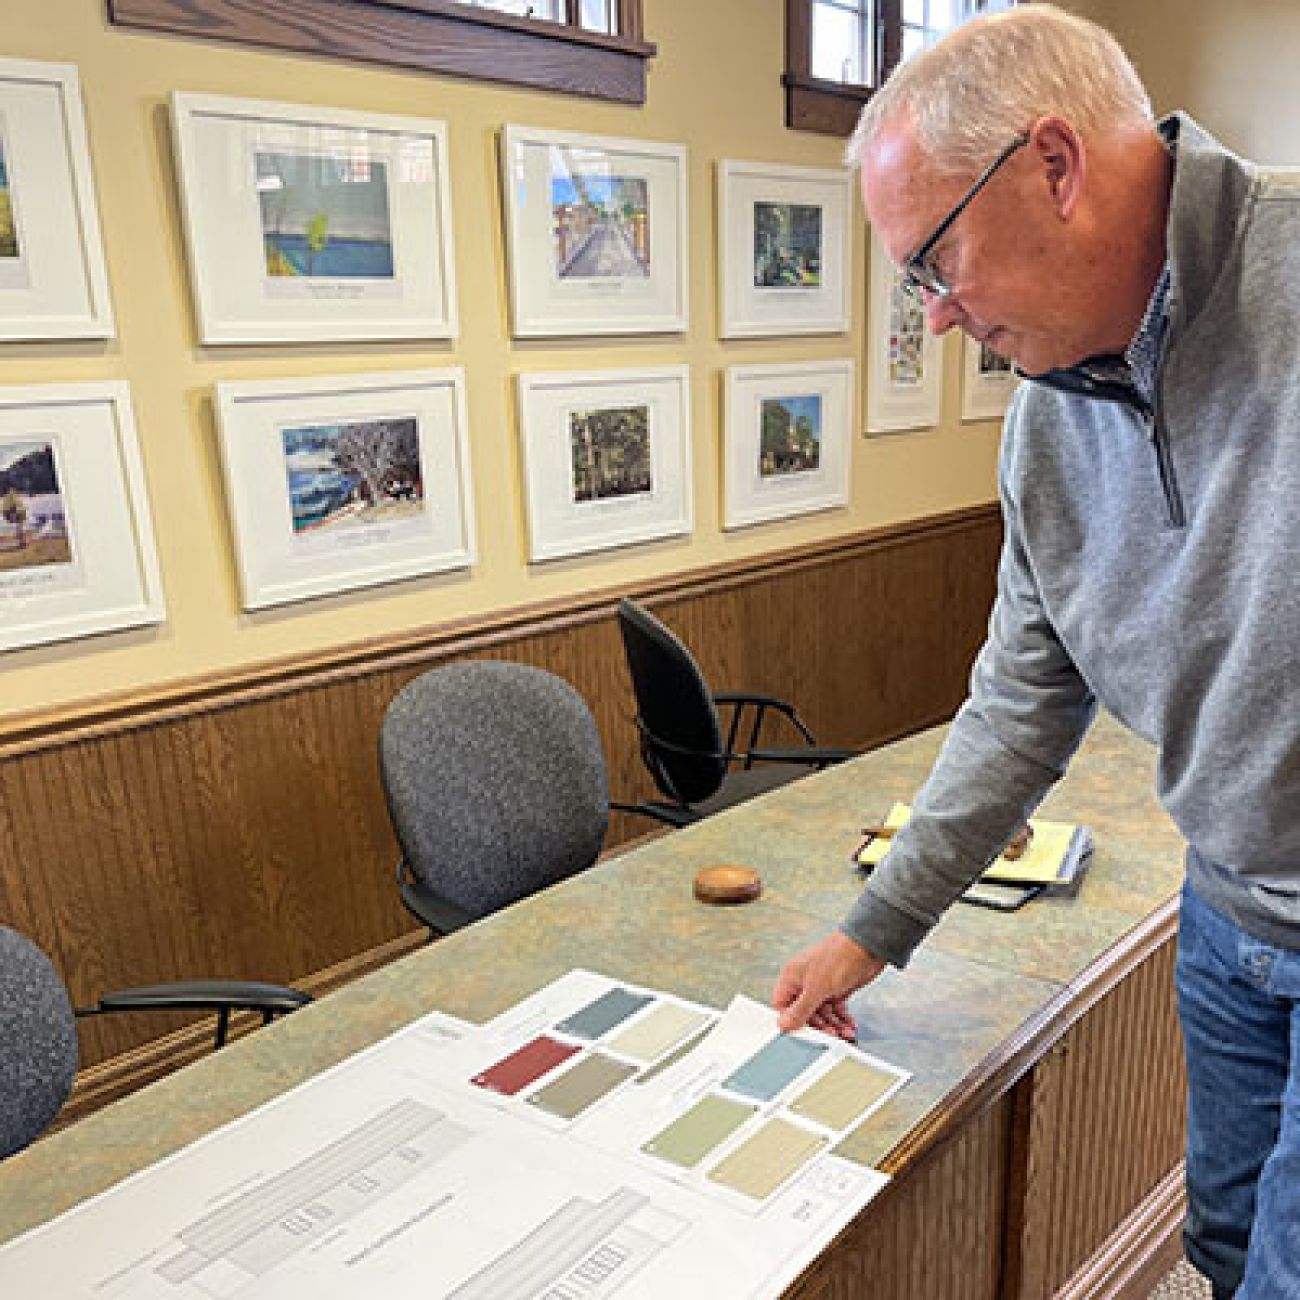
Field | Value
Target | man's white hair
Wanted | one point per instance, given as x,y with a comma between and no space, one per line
983,84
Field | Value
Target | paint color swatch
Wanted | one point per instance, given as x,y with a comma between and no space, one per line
657,1031
683,1049
773,1066
572,1092
842,1094
524,1066
694,1133
763,1162
600,1016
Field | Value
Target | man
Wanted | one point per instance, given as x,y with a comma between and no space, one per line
1149,284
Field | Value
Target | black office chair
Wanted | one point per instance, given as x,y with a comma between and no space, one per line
495,781
696,770
38,1037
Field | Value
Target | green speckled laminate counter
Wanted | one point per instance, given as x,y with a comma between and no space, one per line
1047,1099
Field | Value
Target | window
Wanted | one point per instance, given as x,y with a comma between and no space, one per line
591,16
839,51
584,47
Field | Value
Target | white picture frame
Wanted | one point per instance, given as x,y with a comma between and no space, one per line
53,278
904,359
308,224
987,383
77,553
341,482
596,233
582,502
788,440
784,250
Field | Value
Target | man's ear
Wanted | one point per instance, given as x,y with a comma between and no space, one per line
1060,151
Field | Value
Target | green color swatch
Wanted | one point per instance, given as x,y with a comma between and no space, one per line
693,1134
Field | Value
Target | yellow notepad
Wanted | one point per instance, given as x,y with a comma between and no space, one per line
1054,857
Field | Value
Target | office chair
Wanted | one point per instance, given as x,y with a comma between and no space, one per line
38,1037
696,770
495,782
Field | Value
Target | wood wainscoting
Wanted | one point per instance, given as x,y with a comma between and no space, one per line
235,825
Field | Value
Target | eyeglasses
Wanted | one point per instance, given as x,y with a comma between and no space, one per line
919,277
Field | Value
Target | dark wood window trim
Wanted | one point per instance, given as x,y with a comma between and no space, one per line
832,107
432,35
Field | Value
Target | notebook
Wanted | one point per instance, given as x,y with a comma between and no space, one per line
1056,856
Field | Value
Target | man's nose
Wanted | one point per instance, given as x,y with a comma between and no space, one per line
942,313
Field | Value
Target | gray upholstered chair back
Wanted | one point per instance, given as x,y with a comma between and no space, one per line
38,1042
495,781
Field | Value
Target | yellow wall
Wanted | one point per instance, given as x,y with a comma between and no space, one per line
1232,66
715,86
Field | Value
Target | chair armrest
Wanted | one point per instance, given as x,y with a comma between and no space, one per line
440,914
813,755
740,700
753,697
221,996
206,995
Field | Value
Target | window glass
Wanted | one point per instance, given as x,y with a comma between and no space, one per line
841,50
598,16
553,10
924,21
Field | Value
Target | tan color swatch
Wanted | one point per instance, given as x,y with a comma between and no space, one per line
763,1162
846,1090
576,1089
657,1031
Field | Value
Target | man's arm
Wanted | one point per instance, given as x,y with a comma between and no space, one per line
1027,712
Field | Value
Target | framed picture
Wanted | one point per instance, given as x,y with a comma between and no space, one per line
76,545
308,224
343,482
987,382
787,440
53,284
607,458
904,360
597,233
784,250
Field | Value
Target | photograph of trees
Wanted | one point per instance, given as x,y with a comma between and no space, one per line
33,524
611,452
791,437
787,245
359,473
324,215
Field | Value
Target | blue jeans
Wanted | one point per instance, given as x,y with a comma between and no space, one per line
1239,1003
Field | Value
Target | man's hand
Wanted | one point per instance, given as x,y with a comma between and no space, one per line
814,987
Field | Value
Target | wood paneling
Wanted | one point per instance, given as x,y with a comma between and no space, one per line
235,825
1105,1123
936,1232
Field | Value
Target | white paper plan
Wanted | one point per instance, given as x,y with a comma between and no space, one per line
597,1140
